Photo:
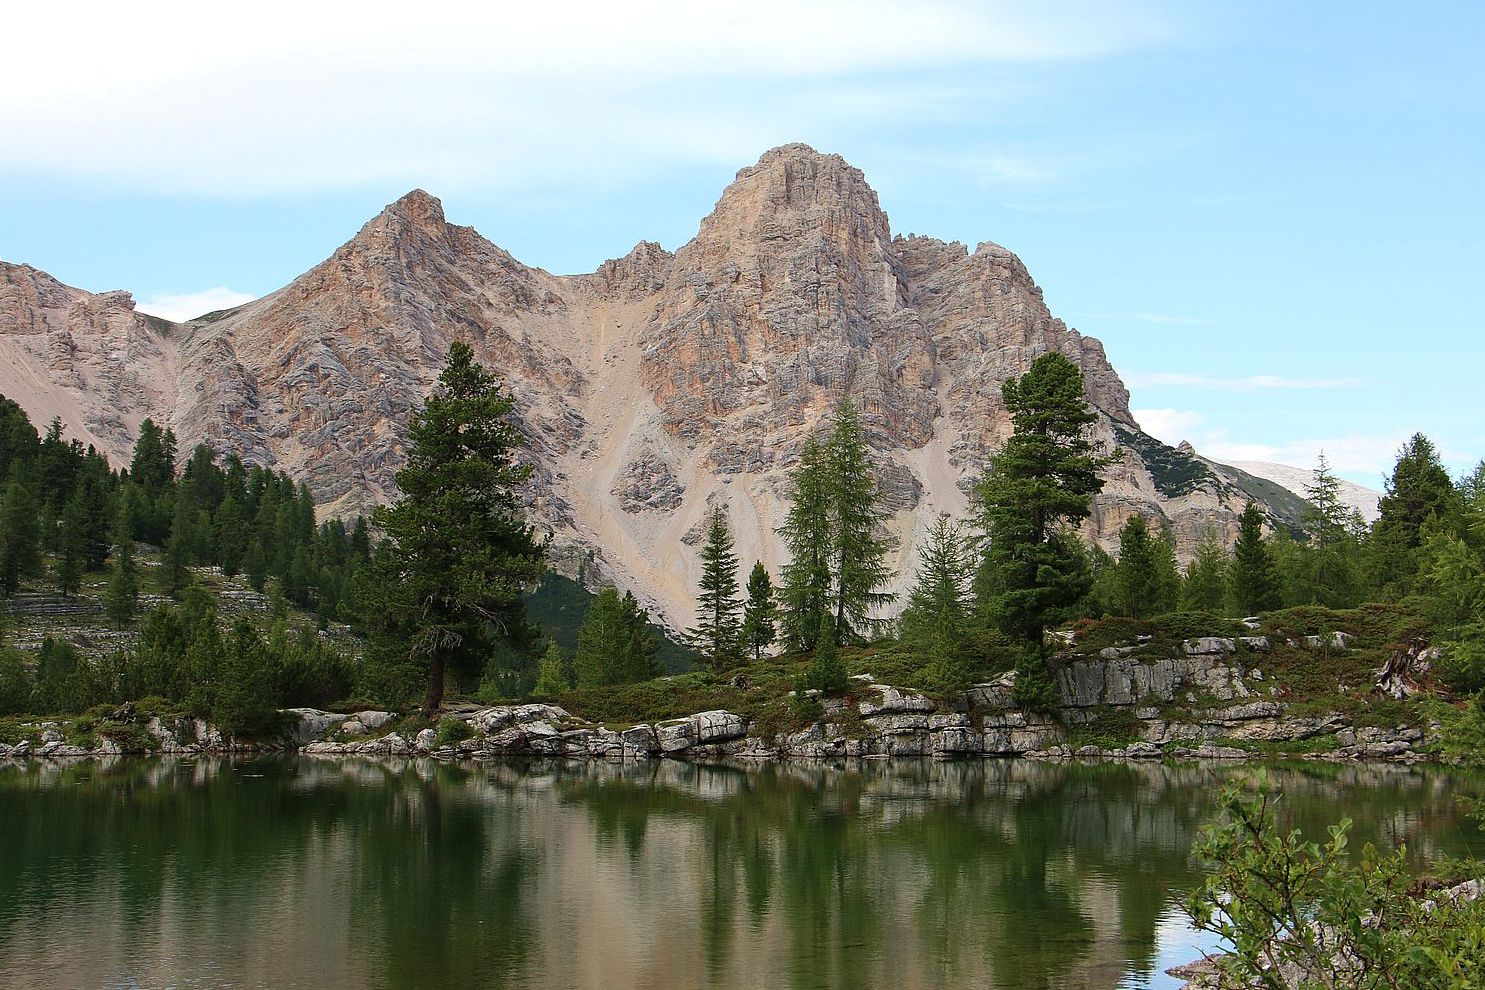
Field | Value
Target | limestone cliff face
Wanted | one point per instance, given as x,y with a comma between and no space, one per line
650,390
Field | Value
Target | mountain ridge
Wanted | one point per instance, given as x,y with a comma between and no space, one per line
651,389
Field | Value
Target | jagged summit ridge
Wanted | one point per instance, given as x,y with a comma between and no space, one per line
651,390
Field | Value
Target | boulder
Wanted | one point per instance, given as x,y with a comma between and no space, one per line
1257,644
1208,646
425,740
882,699
309,724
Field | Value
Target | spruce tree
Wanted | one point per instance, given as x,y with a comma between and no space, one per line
641,646
1419,490
859,544
936,622
759,628
1204,585
175,572
1332,550
121,596
603,642
1039,486
715,637
458,554
826,672
72,545
805,592
1138,569
231,534
20,538
1253,584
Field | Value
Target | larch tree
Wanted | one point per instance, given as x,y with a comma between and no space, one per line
1138,570
1332,550
716,635
20,538
936,622
1204,584
458,553
806,533
1418,491
860,544
1039,487
121,596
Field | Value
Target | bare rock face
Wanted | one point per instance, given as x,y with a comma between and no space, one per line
650,391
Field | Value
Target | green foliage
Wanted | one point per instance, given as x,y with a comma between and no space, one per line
760,613
1111,729
558,605
1462,665
1041,483
1419,494
615,645
121,598
15,685
1204,584
716,635
20,544
447,583
1145,572
826,671
1295,914
1253,584
552,673
1331,563
937,620
452,731
805,591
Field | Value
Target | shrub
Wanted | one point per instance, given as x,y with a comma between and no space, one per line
451,731
1463,664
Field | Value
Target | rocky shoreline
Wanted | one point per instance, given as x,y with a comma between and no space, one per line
1210,702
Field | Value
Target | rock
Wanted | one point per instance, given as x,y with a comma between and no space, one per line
492,720
718,726
425,740
1208,646
642,738
373,720
993,694
309,724
1337,641
881,699
1252,622
51,732
1257,644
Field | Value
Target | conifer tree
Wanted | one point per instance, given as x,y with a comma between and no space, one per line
243,703
604,639
551,673
175,572
1138,569
1419,490
1253,583
715,637
1040,485
1204,585
859,544
72,537
936,622
826,672
458,554
121,597
1332,550
759,628
20,543
805,592
641,647
231,534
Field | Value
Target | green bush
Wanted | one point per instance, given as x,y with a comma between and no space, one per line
452,731
1462,666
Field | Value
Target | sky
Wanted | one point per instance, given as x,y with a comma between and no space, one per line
1271,213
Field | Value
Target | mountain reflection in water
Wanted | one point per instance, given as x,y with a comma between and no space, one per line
325,873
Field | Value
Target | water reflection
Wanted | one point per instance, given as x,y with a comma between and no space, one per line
357,874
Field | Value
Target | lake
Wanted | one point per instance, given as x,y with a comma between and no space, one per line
303,872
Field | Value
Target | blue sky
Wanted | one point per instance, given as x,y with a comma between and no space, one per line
1271,213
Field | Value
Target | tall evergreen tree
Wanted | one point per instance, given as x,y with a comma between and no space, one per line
20,538
1418,491
1139,578
551,673
936,622
458,553
1040,485
175,572
805,592
72,545
1253,583
642,647
1204,585
826,672
760,627
1332,550
860,545
715,636
121,597
611,648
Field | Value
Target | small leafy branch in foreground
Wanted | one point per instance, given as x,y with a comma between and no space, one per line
1301,915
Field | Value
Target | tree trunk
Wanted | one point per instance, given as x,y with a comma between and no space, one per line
434,699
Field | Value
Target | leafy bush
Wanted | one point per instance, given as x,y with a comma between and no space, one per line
452,731
1463,664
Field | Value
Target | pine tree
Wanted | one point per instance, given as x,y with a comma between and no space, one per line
1253,583
243,702
641,647
936,622
458,554
1041,484
1418,491
121,597
551,673
715,637
859,545
175,573
759,628
805,592
20,543
72,539
1203,587
231,534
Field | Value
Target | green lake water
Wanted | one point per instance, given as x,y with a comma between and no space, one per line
301,872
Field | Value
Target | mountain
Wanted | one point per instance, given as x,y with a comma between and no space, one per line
650,389
1364,500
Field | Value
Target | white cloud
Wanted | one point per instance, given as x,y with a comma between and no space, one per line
298,95
1170,425
1249,383
183,306
1357,456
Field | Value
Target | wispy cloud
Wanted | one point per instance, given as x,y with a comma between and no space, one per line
1248,383
1170,425
184,306
301,96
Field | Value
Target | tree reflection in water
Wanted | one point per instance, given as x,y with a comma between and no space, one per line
413,874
